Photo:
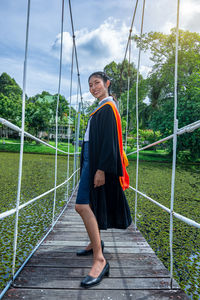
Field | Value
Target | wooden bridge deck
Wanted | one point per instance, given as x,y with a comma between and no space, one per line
54,271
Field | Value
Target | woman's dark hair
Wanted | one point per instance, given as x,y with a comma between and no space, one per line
104,77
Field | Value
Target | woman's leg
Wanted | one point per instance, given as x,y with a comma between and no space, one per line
91,226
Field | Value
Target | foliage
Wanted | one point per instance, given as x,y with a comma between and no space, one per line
161,85
142,107
119,81
10,99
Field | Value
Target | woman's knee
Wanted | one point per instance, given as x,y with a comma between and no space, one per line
81,208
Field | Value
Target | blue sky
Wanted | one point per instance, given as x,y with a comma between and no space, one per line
102,29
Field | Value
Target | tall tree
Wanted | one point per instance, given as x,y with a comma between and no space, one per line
10,99
161,83
119,78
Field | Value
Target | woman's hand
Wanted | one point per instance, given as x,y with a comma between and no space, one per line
99,178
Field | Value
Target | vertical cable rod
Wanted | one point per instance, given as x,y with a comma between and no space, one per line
137,118
59,85
76,130
129,37
174,145
128,91
22,142
70,104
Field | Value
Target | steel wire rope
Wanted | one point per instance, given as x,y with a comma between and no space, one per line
188,128
128,94
12,211
22,142
16,128
174,144
78,74
126,50
178,216
70,103
137,119
57,106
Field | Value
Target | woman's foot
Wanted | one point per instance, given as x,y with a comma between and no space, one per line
88,250
90,281
97,268
89,246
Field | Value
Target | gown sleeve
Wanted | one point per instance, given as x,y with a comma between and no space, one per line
108,155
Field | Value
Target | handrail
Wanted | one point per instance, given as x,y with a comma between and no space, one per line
18,129
36,247
188,128
178,216
12,211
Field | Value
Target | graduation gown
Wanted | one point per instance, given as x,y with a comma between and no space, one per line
108,202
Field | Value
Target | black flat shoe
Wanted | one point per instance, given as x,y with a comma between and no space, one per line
89,281
88,252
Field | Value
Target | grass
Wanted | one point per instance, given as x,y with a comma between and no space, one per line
159,155
13,145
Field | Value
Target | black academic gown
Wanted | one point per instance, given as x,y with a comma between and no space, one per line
108,202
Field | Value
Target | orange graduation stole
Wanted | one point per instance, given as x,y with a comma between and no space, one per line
124,180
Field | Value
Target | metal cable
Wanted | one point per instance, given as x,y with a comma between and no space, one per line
178,216
70,101
76,55
59,84
129,38
22,143
137,118
128,94
188,128
16,128
12,211
174,146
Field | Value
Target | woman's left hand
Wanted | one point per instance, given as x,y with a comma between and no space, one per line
99,178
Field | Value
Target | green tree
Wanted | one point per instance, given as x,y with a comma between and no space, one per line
10,99
120,80
37,116
161,83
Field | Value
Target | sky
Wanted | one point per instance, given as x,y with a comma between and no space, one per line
101,30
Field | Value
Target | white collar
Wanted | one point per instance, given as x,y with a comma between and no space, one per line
107,98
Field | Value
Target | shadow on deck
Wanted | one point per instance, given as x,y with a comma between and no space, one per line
54,271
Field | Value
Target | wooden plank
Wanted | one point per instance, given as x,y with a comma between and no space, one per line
93,294
112,256
58,236
107,283
156,271
64,262
84,243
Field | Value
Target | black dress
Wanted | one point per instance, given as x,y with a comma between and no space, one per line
108,202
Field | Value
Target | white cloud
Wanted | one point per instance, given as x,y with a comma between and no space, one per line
167,27
96,47
190,15
144,70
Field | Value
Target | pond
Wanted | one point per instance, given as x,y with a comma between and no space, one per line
153,222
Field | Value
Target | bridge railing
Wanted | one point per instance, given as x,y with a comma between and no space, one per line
74,177
189,128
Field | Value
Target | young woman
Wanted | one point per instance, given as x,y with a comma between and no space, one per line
100,200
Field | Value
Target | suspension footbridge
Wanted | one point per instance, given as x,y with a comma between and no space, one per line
52,270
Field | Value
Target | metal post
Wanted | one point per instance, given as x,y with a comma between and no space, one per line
59,85
22,144
174,147
137,117
77,141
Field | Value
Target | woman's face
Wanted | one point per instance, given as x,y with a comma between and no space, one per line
98,88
